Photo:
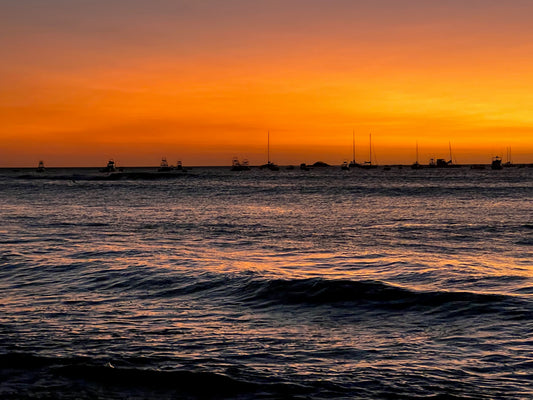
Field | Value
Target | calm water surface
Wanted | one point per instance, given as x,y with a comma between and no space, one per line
254,284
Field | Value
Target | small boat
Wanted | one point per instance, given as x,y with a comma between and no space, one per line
368,164
416,164
496,163
164,167
238,166
345,166
353,163
269,165
40,168
304,167
111,167
180,167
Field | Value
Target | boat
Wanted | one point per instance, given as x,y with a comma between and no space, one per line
353,163
269,165
496,163
345,166
442,163
509,162
40,168
164,167
238,166
368,164
416,164
111,167
304,167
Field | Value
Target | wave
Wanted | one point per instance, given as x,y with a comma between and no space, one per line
318,291
339,293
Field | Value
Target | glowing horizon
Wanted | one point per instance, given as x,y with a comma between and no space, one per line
202,83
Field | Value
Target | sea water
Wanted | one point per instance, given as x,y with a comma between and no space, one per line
261,284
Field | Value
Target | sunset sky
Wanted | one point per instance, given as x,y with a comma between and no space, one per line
202,81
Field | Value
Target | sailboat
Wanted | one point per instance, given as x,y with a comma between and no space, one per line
416,165
269,165
353,163
368,164
509,162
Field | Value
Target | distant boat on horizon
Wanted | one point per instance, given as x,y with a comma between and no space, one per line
496,163
111,167
236,165
40,168
368,164
416,164
164,167
269,165
353,163
442,163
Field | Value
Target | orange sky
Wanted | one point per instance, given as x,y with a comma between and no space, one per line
85,81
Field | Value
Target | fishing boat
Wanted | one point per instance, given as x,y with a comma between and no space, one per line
40,168
111,167
164,167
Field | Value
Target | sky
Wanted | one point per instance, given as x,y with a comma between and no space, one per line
203,81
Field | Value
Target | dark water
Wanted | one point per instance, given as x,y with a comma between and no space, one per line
291,284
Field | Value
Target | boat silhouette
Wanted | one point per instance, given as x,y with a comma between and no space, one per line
269,165
496,163
40,168
368,164
111,167
416,164
236,165
164,167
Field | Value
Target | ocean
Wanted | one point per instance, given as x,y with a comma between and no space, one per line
321,284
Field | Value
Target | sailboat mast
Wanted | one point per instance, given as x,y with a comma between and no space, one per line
450,146
417,151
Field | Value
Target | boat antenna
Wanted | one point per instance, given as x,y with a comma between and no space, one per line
417,151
